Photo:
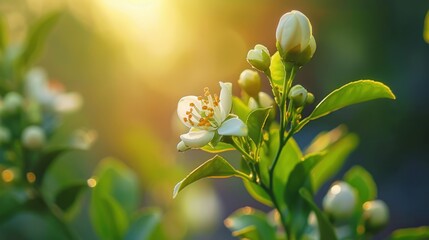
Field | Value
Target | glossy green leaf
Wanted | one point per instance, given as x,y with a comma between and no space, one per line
333,159
363,182
117,180
326,139
217,167
240,221
258,193
67,196
277,69
418,233
220,147
351,93
240,109
146,226
108,217
300,177
326,230
36,38
256,122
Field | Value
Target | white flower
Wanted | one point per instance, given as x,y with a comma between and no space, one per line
293,31
33,137
207,116
50,94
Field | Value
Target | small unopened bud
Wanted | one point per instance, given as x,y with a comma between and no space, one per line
33,137
376,214
295,41
298,95
265,100
4,135
250,82
259,57
12,102
310,98
340,201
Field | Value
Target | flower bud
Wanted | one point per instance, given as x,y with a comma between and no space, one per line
265,100
376,214
340,201
259,57
12,102
33,137
298,95
310,98
295,41
181,147
250,82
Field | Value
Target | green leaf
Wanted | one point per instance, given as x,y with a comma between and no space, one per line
333,159
277,70
146,226
300,177
240,109
363,182
220,147
67,196
107,216
249,232
326,230
12,200
351,93
258,193
217,167
117,180
36,39
240,221
326,139
418,233
256,122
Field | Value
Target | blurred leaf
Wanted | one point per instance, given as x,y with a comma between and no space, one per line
298,209
47,158
426,28
277,69
351,93
258,193
11,201
240,221
36,39
326,139
333,160
220,147
117,180
363,182
67,196
326,230
256,122
249,232
418,233
240,109
146,226
108,217
217,167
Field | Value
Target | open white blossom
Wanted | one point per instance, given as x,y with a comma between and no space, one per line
207,116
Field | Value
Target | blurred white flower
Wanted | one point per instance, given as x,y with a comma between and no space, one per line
33,137
50,94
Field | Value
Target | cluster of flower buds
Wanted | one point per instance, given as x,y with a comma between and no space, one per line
300,96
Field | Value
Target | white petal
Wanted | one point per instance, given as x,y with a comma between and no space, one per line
181,147
197,138
184,105
233,127
305,29
68,102
225,99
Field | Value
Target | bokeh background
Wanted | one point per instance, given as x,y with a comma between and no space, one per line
133,59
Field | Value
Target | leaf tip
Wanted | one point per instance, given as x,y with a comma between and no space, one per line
177,189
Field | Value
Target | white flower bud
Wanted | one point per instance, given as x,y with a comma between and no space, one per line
33,137
298,95
181,147
265,100
250,82
295,41
12,102
340,201
376,214
259,57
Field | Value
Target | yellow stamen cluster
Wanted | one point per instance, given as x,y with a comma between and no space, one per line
203,117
